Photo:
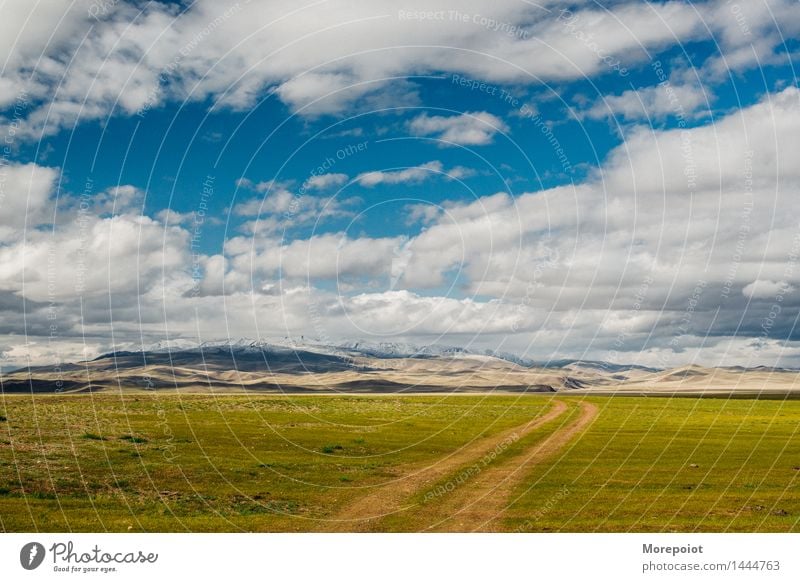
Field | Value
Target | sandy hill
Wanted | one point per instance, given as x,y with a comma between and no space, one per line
294,367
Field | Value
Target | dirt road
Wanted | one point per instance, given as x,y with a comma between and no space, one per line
366,513
478,505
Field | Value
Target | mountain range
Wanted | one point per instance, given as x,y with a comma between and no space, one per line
290,366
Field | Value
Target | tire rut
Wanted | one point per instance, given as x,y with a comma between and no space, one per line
481,504
365,513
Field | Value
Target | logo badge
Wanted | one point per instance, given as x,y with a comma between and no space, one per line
31,555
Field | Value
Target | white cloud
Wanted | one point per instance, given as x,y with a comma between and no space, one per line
711,157
93,256
651,103
172,217
714,204
622,255
749,35
414,174
323,57
766,289
422,212
475,128
313,93
328,256
281,209
276,202
192,220
402,312
118,200
25,192
630,253
324,181
460,173
261,187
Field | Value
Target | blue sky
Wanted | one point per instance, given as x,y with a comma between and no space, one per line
554,179
169,150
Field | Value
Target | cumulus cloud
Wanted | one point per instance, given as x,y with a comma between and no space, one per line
402,312
281,209
25,197
651,103
119,200
675,247
406,175
476,128
323,257
413,175
324,181
766,289
92,256
642,253
63,253
324,58
262,187
186,219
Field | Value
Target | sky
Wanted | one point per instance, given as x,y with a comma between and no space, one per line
612,181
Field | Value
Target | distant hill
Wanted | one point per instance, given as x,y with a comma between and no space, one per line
292,366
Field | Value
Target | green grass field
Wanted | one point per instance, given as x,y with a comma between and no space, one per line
159,462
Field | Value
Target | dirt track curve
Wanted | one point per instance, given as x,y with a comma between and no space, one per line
366,512
479,504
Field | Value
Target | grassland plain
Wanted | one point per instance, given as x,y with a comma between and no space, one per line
177,462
